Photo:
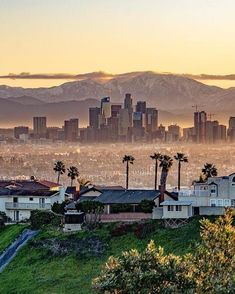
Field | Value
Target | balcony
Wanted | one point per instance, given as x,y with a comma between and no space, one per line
27,206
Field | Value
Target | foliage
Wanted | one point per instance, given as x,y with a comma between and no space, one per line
59,168
209,170
73,173
214,270
93,211
147,272
41,218
3,219
59,208
122,207
147,206
166,163
143,230
121,229
211,269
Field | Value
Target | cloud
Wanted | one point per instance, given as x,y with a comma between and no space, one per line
103,75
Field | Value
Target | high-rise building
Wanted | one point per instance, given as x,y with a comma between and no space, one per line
94,113
138,125
231,129
151,120
115,109
141,106
128,105
123,123
71,129
39,127
173,133
200,119
21,130
106,107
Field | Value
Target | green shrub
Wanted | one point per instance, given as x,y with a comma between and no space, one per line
41,218
116,208
146,206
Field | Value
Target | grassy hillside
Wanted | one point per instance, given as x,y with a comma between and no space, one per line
35,270
8,234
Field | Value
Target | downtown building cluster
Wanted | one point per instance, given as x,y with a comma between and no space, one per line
127,123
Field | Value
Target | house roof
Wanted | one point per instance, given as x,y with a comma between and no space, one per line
28,185
17,192
178,202
126,196
99,189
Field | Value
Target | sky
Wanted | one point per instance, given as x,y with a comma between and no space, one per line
116,36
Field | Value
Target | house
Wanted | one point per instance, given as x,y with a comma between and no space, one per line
130,198
177,209
19,198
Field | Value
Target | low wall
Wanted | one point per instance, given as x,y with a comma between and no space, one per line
125,216
157,213
210,210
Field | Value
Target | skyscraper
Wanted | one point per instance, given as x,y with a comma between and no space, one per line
94,113
106,107
231,129
141,106
71,129
200,119
39,127
128,105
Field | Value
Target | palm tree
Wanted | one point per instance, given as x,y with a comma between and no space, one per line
128,159
59,168
84,182
73,173
209,170
180,157
165,164
156,157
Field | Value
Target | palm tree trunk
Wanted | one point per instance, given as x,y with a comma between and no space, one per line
163,179
71,182
127,175
179,171
155,180
58,178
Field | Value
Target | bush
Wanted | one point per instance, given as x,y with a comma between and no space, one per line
3,219
143,230
121,229
146,206
116,208
41,218
59,208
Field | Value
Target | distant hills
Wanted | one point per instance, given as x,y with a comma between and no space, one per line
174,95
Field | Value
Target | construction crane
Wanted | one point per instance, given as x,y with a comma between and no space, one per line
196,106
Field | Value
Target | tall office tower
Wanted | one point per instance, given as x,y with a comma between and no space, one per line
71,129
94,113
200,119
128,105
18,131
188,134
39,127
105,107
173,133
222,133
141,106
138,125
123,123
231,129
115,109
151,120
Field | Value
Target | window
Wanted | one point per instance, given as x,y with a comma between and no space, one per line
170,207
31,199
213,202
227,202
213,191
220,202
178,208
234,179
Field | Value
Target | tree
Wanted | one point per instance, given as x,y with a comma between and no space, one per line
210,269
93,211
149,272
214,260
59,168
128,159
84,182
73,173
147,205
166,163
209,170
180,157
155,157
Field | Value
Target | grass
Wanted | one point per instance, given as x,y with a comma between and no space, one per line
34,271
8,234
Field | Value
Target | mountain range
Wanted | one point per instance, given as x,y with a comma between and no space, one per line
173,95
